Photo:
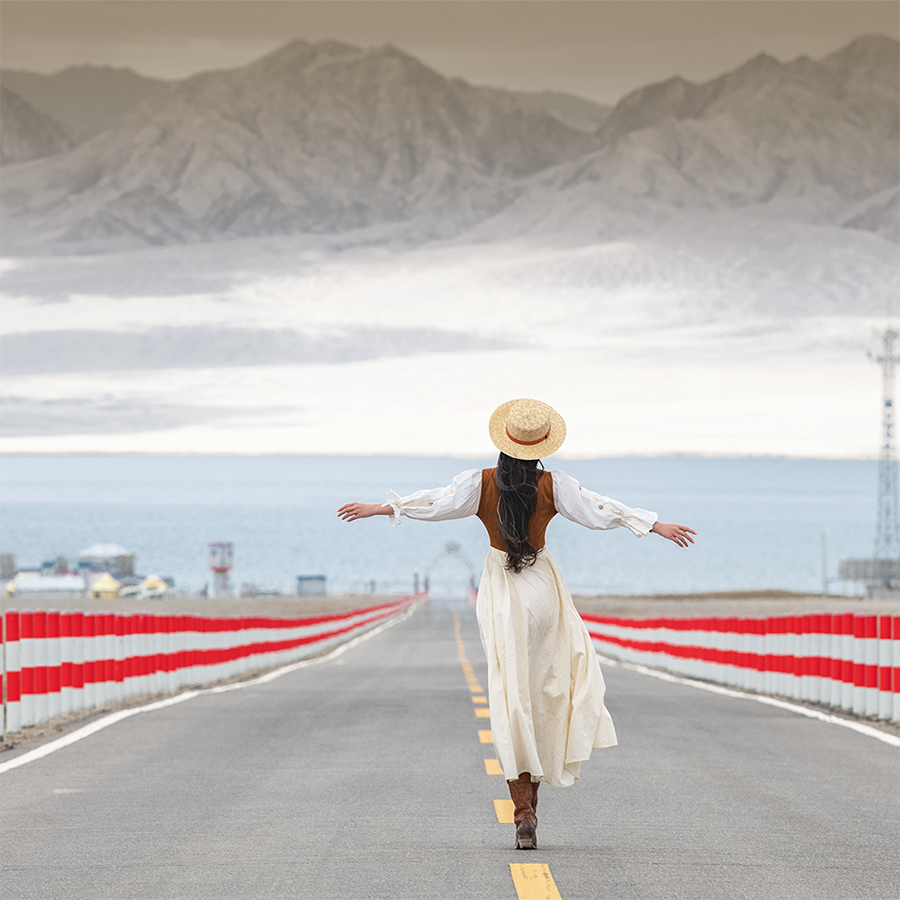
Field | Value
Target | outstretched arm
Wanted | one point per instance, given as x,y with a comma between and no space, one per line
455,501
350,512
680,534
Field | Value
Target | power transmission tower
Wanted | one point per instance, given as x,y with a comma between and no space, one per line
887,527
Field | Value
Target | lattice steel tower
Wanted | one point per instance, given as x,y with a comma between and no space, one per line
887,526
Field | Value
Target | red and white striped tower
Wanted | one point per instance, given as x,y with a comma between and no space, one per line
221,560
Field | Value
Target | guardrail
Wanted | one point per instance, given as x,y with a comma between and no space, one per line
55,663
844,660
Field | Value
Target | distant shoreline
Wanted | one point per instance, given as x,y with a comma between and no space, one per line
465,457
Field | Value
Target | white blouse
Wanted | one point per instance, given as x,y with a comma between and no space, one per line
461,498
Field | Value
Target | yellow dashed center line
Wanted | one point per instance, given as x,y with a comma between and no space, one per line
505,810
533,881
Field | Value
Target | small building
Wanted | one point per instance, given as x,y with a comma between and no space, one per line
107,557
310,585
105,587
57,587
154,588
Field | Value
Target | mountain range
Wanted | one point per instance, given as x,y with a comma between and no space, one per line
27,133
329,138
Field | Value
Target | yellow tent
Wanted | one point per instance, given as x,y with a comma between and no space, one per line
105,587
153,586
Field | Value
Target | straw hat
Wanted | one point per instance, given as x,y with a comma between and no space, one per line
527,429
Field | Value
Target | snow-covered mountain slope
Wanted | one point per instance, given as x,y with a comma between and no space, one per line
806,141
329,138
314,137
26,133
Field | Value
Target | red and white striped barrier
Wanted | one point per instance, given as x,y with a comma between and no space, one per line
62,662
844,660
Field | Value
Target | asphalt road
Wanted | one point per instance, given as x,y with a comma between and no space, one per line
364,777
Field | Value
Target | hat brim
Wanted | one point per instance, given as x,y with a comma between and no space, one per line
502,441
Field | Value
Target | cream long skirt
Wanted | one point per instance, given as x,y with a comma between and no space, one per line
545,684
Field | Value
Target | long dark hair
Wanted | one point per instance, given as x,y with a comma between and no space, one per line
517,480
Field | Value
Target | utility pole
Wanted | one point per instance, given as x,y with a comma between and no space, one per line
887,526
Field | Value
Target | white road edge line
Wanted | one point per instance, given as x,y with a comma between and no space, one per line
867,730
112,718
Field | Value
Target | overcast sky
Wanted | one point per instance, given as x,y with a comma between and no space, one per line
599,49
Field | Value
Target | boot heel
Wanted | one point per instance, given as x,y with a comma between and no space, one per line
526,841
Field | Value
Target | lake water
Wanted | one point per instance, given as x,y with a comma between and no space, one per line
760,522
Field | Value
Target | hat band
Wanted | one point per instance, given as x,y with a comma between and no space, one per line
527,443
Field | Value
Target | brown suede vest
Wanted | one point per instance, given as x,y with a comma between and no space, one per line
543,511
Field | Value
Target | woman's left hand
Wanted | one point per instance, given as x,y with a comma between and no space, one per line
680,534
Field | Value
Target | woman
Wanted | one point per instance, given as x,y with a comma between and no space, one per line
544,681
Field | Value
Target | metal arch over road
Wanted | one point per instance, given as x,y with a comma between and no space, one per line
372,776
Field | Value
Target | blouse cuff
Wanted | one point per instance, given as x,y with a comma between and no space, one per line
640,525
392,499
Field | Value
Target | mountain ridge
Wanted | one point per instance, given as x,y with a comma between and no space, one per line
27,133
326,137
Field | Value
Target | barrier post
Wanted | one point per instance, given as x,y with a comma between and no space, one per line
814,648
109,658
884,667
870,666
156,626
837,664
119,658
859,666
759,645
742,625
895,669
847,662
731,650
65,661
145,657
41,707
99,660
13,672
775,661
803,630
795,656
78,661
54,665
130,661
26,642
89,626
170,660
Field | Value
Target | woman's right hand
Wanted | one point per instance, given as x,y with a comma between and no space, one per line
350,512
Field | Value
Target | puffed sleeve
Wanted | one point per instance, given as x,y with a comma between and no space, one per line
596,511
456,501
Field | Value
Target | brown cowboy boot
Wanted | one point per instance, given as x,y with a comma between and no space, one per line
522,793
